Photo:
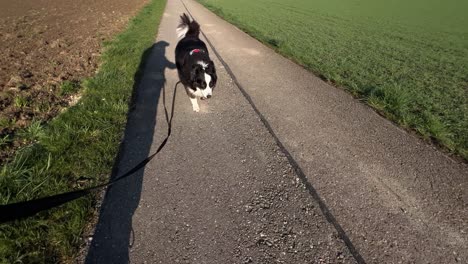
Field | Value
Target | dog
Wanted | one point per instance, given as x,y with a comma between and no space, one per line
195,68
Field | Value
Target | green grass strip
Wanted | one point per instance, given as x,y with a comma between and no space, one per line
74,150
407,59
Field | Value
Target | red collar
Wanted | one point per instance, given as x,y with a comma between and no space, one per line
196,51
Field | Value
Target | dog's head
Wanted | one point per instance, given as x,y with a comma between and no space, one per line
203,78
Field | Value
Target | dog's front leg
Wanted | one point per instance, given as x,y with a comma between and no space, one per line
193,100
195,106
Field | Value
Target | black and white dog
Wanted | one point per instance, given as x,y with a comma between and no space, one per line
196,71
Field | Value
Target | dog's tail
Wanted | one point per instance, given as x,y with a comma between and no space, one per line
187,27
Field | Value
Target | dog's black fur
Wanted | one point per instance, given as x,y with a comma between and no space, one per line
193,61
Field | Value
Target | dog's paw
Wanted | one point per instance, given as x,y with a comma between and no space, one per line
196,108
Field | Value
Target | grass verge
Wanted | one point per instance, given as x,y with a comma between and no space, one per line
74,150
407,60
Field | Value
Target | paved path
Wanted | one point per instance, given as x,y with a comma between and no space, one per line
278,167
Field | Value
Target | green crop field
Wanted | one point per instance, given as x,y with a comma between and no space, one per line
407,59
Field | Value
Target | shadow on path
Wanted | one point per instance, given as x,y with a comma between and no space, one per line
112,237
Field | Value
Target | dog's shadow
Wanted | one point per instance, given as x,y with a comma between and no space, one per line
113,234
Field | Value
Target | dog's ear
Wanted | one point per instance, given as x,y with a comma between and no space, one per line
210,68
212,72
195,71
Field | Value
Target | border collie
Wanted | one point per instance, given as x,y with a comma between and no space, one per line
196,70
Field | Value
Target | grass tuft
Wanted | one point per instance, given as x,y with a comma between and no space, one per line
82,141
21,101
5,140
33,132
69,87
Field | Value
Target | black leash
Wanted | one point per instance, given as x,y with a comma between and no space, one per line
14,211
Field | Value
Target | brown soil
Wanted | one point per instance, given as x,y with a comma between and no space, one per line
45,43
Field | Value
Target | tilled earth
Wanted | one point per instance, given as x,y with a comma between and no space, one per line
44,44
